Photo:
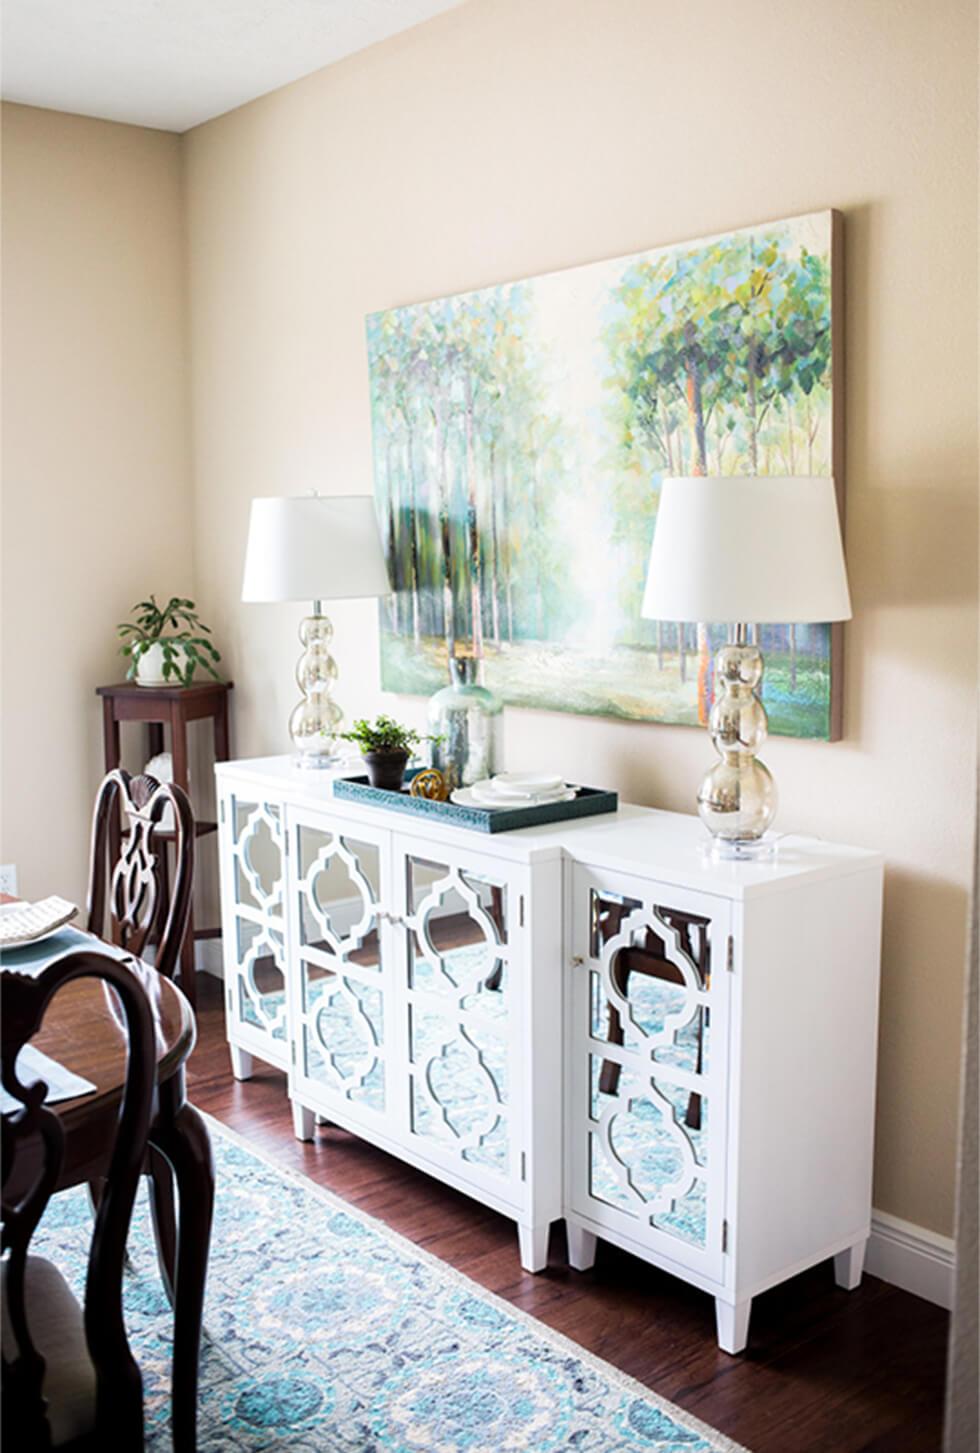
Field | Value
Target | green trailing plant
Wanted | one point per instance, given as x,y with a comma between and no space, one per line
384,735
185,647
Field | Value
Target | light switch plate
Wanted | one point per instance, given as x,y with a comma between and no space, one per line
8,879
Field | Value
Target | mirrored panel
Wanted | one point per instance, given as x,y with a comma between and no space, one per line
261,986
459,1086
339,891
645,1157
343,1036
462,924
659,964
257,855
607,912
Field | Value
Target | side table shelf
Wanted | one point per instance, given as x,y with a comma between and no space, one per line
160,707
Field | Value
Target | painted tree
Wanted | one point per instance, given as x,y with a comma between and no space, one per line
386,342
476,322
435,369
471,466
713,343
780,324
397,413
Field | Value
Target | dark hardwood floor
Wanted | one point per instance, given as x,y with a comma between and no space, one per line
826,1371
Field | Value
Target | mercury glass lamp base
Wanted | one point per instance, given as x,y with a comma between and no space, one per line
737,799
314,722
740,850
312,760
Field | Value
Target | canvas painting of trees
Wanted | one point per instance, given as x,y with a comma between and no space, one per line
521,434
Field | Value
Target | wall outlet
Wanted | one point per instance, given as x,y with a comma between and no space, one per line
8,879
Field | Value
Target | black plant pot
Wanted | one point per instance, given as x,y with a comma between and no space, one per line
386,769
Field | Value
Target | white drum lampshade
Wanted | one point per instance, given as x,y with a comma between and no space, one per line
740,550
747,548
314,547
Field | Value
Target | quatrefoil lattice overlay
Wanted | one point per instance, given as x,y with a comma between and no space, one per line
662,1153
260,913
346,1039
341,1005
638,922
337,849
643,1157
459,1022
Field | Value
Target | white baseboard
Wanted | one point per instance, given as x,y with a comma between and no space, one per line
207,957
911,1257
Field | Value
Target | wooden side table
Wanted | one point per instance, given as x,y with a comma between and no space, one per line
173,706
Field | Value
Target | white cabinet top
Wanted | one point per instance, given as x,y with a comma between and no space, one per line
671,847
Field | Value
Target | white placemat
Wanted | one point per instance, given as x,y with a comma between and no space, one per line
33,958
33,1065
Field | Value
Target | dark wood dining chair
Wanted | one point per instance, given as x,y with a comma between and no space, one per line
134,901
70,1381
131,898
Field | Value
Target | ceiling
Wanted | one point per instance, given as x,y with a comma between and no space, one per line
175,63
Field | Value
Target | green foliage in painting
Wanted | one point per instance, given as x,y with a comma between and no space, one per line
472,467
521,434
719,364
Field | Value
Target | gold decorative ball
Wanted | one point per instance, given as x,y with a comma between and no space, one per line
430,784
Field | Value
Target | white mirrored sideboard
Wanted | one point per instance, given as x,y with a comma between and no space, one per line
594,1021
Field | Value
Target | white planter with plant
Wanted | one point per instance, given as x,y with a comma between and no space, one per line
165,645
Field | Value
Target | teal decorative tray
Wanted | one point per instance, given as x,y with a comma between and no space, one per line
588,802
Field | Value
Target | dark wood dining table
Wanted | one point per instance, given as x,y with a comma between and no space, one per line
84,1031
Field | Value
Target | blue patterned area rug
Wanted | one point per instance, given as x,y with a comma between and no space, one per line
325,1332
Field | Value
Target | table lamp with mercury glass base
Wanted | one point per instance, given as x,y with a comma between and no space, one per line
732,550
314,547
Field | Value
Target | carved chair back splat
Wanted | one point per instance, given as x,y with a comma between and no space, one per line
131,900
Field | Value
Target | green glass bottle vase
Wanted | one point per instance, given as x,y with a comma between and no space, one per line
466,718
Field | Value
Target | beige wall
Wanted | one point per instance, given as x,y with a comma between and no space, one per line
499,141
506,139
96,508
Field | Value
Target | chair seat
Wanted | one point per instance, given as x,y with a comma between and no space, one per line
58,1329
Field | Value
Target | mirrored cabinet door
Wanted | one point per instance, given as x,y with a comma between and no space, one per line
647,1063
253,875
340,977
459,969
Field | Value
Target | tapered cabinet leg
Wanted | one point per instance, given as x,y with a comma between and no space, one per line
534,1245
849,1265
241,1062
732,1319
304,1122
581,1247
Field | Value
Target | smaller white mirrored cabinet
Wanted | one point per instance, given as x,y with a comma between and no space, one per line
596,1021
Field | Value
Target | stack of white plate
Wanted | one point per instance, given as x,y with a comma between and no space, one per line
22,923
515,789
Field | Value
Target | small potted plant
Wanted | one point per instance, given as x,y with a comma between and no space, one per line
385,747
166,644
